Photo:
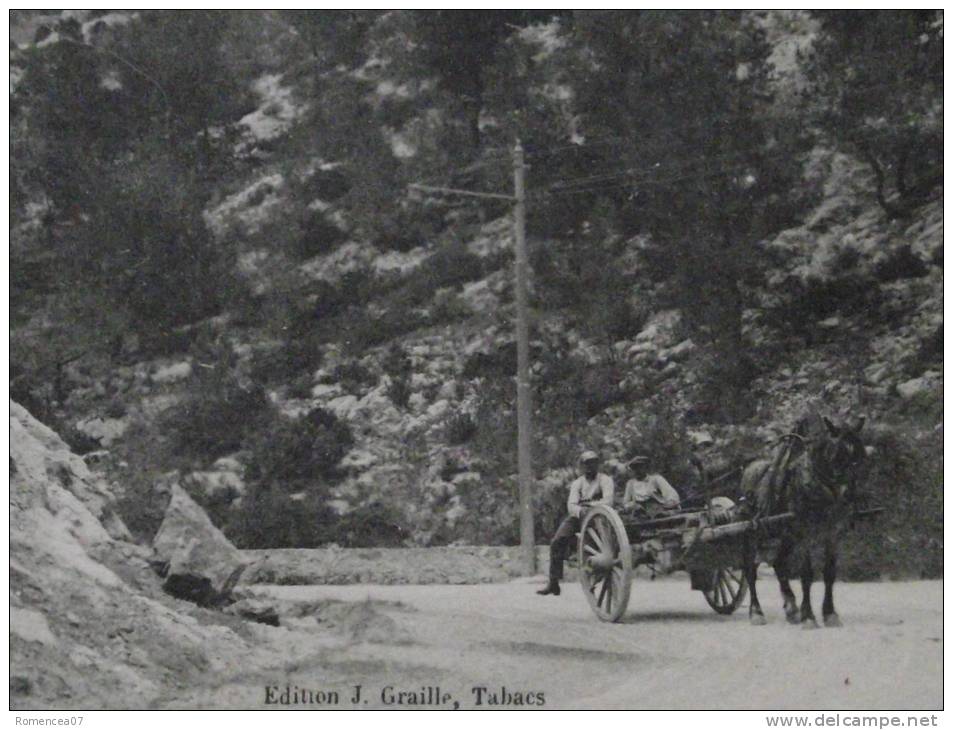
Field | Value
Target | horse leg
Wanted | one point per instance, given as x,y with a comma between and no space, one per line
749,557
807,577
781,564
830,574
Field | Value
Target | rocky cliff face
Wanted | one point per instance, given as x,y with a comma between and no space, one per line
89,624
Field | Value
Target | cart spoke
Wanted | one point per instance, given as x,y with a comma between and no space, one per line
602,593
591,550
594,536
733,580
722,590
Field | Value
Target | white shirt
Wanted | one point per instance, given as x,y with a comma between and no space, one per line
583,489
654,487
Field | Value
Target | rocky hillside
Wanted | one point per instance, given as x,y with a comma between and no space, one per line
90,624
344,374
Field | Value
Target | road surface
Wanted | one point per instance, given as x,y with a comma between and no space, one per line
669,652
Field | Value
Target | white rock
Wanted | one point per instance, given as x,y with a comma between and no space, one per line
343,406
340,506
640,348
700,438
103,430
358,460
399,261
677,353
467,477
924,384
448,391
217,484
172,373
228,463
326,390
438,409
480,297
31,625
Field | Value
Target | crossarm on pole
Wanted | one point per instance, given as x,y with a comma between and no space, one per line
456,191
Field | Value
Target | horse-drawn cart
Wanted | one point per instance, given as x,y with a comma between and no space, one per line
705,542
611,545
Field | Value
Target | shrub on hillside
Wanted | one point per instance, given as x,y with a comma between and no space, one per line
399,392
293,454
905,476
361,330
298,357
450,266
448,306
317,236
272,518
804,303
354,378
459,428
397,365
218,411
372,525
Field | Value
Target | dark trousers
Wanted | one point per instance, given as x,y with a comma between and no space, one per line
561,546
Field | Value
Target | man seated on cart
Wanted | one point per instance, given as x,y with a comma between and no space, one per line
648,494
593,487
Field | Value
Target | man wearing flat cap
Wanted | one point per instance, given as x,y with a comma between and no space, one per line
647,491
592,487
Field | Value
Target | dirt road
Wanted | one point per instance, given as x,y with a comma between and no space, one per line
671,651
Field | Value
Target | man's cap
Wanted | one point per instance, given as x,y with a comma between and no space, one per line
638,461
588,456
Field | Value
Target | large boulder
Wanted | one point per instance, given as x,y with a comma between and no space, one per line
199,564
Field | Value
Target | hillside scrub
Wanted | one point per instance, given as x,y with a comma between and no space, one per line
715,259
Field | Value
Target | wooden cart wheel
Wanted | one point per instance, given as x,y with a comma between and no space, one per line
728,590
605,562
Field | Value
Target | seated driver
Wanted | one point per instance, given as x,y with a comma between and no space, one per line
648,492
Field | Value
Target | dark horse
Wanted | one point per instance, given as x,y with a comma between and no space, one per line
813,474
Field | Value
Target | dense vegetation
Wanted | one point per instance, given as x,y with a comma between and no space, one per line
677,137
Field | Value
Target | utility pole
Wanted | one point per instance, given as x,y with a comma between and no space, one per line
523,402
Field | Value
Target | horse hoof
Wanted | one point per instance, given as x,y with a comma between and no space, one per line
809,623
758,619
833,621
793,618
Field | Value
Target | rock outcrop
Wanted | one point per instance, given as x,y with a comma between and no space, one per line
90,627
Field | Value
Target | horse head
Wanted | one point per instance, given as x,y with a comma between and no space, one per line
836,457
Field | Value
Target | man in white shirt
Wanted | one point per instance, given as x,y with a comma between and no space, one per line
592,487
649,493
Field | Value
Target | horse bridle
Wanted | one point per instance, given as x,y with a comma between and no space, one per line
820,470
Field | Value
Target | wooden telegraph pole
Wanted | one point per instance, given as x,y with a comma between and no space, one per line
523,402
